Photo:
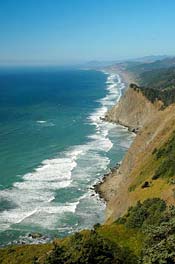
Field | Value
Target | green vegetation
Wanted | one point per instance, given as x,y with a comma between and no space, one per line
159,242
148,226
24,254
143,214
146,234
90,247
167,96
156,80
157,223
138,68
166,156
124,237
160,79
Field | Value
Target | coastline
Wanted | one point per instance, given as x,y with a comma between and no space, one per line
124,186
103,187
127,78
105,178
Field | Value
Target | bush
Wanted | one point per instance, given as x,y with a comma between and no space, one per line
90,248
145,185
147,213
160,244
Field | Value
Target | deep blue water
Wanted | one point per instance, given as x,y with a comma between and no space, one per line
53,148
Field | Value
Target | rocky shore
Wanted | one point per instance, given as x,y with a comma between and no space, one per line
97,186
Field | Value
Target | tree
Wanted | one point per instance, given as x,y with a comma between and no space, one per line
90,248
160,243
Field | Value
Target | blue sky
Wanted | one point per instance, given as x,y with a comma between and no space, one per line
71,31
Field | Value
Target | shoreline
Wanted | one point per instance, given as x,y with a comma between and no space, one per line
126,78
106,176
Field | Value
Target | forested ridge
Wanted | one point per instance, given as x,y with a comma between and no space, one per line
156,80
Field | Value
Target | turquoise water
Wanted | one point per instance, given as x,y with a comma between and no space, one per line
53,148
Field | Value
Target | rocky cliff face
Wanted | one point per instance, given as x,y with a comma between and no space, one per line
133,111
125,186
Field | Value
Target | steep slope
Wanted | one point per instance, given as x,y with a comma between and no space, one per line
133,111
133,180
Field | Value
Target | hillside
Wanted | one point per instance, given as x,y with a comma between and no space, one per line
139,68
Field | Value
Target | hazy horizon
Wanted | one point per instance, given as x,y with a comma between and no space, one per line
75,32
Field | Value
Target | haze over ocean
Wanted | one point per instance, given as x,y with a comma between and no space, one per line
54,147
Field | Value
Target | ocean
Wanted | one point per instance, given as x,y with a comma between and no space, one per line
53,148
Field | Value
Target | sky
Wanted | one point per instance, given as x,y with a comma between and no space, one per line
74,31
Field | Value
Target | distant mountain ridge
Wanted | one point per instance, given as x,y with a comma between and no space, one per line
139,68
138,61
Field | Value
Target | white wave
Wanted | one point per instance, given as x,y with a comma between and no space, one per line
36,191
45,123
70,207
114,92
27,215
15,216
41,121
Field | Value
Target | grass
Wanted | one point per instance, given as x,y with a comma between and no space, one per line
24,254
124,237
158,170
28,254
155,190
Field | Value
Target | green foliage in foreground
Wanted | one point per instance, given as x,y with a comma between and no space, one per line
157,223
159,244
24,254
123,236
145,235
152,219
89,248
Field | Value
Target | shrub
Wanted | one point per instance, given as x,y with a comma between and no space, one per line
160,243
145,185
90,248
143,214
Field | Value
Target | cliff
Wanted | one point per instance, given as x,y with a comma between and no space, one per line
133,111
134,180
